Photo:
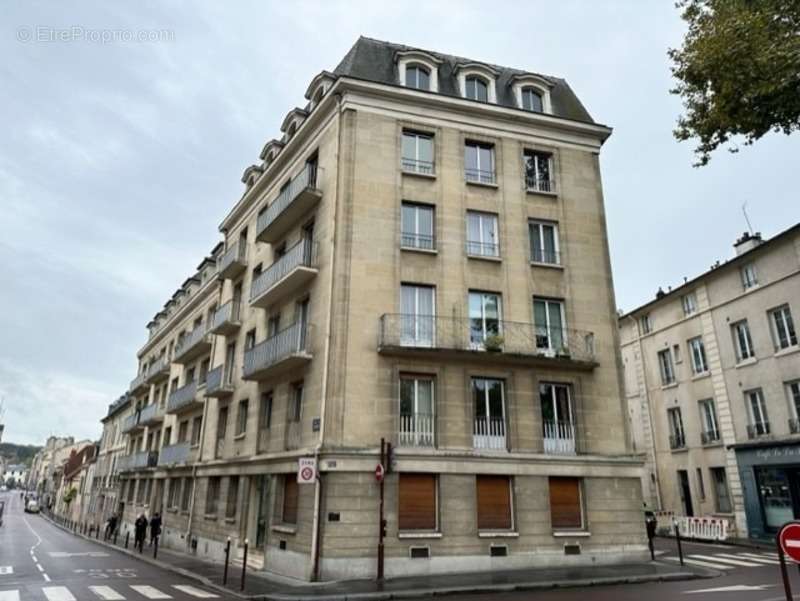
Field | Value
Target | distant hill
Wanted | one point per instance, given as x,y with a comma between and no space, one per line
18,453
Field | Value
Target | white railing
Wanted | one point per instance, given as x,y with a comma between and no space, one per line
416,430
287,342
158,366
703,528
227,313
302,254
307,178
174,454
559,438
235,253
489,433
148,413
182,396
191,339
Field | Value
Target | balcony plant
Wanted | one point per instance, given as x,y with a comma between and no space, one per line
493,343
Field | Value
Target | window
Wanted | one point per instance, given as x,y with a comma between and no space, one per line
708,421
742,342
494,502
666,368
186,497
418,77
212,495
417,502
538,171
173,492
749,277
250,339
646,323
482,236
416,226
140,492
701,486
783,333
532,100
273,325
485,315
548,322
265,415
476,88
290,494
233,497
757,411
241,417
417,319
689,303
417,153
479,162
197,425
721,490
183,431
565,503
793,392
222,423
557,418
544,242
296,402
698,351
489,427
676,353
131,490
416,410
677,439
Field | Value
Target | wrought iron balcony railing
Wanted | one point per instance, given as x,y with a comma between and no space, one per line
219,382
420,241
483,249
481,176
677,441
182,398
289,346
175,454
139,382
408,333
539,184
285,274
130,423
709,437
417,166
794,425
303,190
226,320
150,414
158,370
757,429
137,461
193,344
233,261
546,257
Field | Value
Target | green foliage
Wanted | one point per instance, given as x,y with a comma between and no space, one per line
738,71
11,483
70,495
16,453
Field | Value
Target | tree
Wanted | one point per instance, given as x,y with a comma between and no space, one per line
738,71
70,495
11,484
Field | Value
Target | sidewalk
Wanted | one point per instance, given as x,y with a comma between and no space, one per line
260,587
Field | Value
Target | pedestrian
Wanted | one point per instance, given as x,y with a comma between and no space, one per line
140,531
155,527
111,526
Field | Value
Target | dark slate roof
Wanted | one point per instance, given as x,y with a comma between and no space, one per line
373,60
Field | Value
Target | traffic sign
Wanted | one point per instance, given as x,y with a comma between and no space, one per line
306,470
379,472
789,538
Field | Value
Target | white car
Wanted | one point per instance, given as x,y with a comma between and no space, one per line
32,507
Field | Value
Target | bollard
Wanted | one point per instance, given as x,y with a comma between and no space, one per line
227,558
127,538
244,564
678,539
115,536
155,547
97,532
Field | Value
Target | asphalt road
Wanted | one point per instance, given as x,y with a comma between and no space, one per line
41,562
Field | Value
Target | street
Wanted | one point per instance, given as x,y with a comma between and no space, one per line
39,561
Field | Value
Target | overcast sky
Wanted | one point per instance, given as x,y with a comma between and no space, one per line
118,160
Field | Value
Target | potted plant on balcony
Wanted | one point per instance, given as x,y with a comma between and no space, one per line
493,343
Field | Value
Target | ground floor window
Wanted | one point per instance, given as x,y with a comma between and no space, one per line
774,489
290,497
721,490
417,502
173,492
186,498
494,502
233,497
212,495
566,510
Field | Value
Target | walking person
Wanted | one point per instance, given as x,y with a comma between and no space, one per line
140,532
111,526
155,527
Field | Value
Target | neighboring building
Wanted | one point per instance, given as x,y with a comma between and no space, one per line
421,257
712,376
47,468
73,493
16,472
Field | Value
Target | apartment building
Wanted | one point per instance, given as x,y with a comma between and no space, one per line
712,378
420,257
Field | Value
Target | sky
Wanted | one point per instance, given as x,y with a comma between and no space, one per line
125,128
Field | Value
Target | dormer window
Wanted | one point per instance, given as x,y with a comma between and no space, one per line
532,100
418,77
476,88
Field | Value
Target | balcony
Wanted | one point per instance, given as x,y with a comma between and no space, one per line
219,384
131,423
152,414
430,337
139,383
227,319
284,351
286,275
480,176
677,442
137,461
175,455
192,345
539,184
159,370
489,433
709,438
416,430
233,262
559,438
757,430
184,399
293,202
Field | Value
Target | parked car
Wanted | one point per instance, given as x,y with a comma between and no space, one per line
32,507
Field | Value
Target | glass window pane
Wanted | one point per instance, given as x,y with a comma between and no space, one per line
408,221
406,396
479,397
409,146
471,157
495,398
425,219
481,90
425,397
548,402
426,149
423,82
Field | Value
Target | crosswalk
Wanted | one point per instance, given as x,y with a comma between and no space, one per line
135,592
727,560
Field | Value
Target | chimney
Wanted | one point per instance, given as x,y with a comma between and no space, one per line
747,242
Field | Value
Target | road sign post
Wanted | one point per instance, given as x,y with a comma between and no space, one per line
788,543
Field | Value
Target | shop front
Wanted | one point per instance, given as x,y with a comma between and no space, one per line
770,475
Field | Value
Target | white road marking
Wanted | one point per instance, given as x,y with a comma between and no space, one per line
194,592
748,557
6,570
9,595
732,589
106,593
46,577
41,569
150,592
702,564
38,542
85,554
716,558
58,593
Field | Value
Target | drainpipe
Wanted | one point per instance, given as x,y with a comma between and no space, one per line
317,526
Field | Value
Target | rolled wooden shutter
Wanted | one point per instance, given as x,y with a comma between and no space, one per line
417,502
565,503
290,492
494,502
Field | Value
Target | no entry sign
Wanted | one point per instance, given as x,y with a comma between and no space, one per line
306,470
380,471
789,538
